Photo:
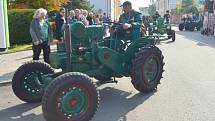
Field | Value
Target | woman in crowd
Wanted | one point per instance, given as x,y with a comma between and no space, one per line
41,34
90,18
97,20
85,14
59,21
71,16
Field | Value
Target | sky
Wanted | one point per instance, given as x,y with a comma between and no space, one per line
138,3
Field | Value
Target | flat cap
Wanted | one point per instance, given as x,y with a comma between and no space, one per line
126,3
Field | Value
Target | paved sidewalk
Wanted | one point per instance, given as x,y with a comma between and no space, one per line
9,63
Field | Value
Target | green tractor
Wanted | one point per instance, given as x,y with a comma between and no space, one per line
87,60
160,28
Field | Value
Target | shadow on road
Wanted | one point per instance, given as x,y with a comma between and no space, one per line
6,77
17,113
115,104
28,57
197,37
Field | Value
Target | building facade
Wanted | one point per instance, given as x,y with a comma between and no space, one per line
110,7
163,5
4,32
144,10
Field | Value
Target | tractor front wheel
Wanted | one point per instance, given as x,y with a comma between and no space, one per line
70,97
147,69
27,83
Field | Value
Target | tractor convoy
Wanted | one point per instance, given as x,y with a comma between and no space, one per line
87,60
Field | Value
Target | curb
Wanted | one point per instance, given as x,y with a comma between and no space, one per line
5,83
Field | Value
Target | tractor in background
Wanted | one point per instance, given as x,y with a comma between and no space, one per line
161,29
191,24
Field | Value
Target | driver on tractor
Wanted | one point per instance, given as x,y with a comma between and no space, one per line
167,17
156,15
130,24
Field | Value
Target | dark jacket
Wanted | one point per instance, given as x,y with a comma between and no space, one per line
35,31
135,19
59,23
132,17
90,19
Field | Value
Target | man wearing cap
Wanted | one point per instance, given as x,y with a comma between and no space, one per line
131,21
167,17
156,15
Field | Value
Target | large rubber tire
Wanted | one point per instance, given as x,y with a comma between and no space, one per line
173,35
63,98
169,34
192,28
187,26
140,69
24,85
181,27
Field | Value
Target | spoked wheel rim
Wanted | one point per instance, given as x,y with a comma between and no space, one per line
73,102
150,69
32,83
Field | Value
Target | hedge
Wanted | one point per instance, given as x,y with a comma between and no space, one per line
19,21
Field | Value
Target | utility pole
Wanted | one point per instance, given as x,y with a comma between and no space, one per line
168,4
107,8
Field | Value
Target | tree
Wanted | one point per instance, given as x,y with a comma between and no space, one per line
152,9
178,7
35,4
80,4
189,6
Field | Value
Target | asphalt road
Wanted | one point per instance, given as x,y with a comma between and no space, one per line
186,93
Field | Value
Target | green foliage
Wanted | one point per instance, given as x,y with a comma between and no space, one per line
189,6
190,9
35,4
19,21
152,9
80,4
178,8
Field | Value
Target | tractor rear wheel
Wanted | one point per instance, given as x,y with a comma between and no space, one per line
192,26
173,35
70,97
169,34
181,27
27,83
147,69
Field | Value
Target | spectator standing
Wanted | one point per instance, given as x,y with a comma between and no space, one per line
59,21
104,18
71,16
105,24
41,35
78,16
90,18
85,14
97,20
